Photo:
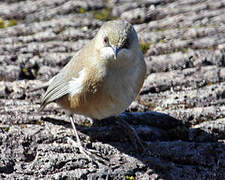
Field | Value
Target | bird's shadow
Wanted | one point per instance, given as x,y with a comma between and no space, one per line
172,146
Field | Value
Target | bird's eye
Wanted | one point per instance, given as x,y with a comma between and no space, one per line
106,40
126,44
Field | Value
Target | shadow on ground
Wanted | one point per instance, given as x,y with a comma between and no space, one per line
173,149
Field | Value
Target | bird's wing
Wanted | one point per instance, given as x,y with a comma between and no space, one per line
56,89
59,85
70,78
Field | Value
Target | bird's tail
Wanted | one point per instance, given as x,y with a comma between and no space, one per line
42,106
42,86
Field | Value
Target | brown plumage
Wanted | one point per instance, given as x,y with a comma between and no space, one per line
104,77
109,85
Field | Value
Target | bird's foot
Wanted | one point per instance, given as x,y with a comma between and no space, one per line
90,154
87,153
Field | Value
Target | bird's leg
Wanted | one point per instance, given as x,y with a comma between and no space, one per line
87,153
75,131
78,143
132,134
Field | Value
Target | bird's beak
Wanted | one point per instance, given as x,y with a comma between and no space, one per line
115,50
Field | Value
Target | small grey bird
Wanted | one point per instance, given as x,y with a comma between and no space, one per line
103,78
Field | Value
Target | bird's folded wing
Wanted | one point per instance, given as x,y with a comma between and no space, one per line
65,82
57,89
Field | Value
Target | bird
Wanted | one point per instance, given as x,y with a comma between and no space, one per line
103,78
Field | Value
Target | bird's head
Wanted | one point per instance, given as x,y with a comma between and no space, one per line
117,40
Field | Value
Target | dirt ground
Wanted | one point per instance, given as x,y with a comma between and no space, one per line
179,114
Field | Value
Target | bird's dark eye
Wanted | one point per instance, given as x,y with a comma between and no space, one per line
126,44
106,40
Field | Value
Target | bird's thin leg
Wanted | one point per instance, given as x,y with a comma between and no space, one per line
78,143
87,153
132,134
75,131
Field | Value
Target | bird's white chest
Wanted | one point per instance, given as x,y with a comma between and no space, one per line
121,86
